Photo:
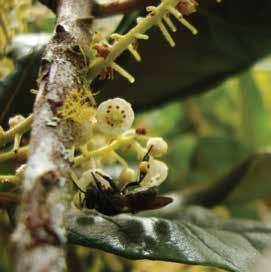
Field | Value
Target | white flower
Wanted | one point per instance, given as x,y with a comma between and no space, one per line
157,173
115,116
157,146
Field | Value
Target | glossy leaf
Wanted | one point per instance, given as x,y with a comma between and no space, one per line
16,87
196,237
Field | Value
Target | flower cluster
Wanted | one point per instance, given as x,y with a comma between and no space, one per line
112,128
120,162
112,131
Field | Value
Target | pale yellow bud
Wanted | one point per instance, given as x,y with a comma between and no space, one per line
157,146
127,175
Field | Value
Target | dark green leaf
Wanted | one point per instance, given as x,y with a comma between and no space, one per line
256,183
248,181
197,237
17,86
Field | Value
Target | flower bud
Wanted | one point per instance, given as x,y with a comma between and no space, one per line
127,175
157,146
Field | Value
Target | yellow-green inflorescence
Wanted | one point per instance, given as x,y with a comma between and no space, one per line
112,132
112,138
159,16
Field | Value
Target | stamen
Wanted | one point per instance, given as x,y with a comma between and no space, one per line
166,34
134,52
169,23
140,36
183,21
122,72
17,141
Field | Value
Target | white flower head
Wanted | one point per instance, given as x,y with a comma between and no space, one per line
157,173
115,116
157,146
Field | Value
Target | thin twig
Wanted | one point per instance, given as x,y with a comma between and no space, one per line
114,145
7,198
20,154
115,7
21,128
10,179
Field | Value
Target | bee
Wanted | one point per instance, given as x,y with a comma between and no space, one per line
104,195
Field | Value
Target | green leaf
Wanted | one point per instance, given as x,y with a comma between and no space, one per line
196,237
256,183
255,130
248,181
16,87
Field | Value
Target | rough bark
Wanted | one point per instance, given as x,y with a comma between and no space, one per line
40,235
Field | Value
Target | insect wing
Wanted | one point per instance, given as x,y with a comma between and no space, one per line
147,200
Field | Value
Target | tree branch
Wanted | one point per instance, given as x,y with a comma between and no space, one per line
40,234
115,7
